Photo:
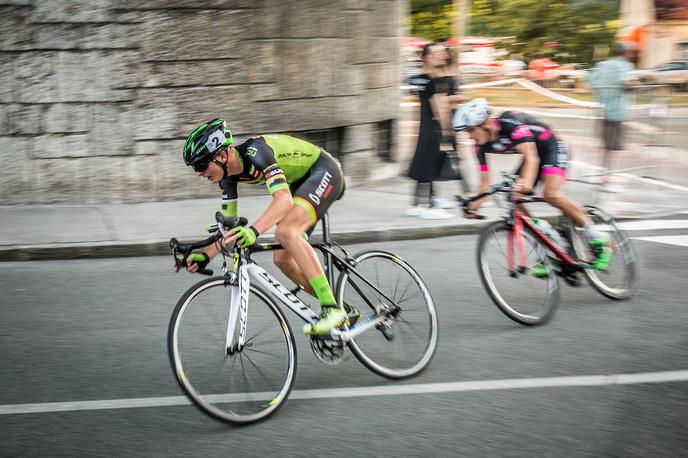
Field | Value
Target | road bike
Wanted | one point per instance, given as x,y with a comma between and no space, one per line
233,351
519,264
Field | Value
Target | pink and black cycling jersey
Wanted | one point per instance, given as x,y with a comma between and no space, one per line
516,128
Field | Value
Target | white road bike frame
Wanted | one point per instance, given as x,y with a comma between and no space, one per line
238,307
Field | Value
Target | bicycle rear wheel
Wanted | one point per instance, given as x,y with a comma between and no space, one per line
404,344
620,279
521,295
235,386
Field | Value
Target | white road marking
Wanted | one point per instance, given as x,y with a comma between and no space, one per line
353,392
646,225
678,240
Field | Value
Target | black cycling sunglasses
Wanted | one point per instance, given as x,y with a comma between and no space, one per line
202,166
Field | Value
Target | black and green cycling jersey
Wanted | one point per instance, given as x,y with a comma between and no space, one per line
277,160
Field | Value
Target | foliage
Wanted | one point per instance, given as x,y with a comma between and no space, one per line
433,22
578,26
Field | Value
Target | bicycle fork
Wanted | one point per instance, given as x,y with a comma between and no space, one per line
515,236
238,308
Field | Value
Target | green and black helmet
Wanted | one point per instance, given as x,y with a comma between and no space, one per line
205,142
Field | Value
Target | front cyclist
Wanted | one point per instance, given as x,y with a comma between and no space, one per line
544,159
303,180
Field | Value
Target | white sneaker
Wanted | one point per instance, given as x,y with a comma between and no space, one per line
441,202
436,213
414,211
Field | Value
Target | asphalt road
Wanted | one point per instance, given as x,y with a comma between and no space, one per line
96,330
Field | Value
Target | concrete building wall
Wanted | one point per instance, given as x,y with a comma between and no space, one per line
667,40
665,31
96,96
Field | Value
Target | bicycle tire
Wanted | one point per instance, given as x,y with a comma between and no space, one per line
509,307
189,371
621,246
411,294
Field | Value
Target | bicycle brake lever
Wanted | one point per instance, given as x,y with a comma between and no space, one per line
174,244
230,221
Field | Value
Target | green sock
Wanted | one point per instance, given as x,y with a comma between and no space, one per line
322,290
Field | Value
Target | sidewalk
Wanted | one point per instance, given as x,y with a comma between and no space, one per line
367,214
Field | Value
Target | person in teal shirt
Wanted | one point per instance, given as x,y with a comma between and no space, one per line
612,80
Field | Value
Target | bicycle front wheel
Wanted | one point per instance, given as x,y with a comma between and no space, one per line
528,291
620,279
234,385
404,344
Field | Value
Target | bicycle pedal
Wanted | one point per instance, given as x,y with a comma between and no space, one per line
571,278
386,332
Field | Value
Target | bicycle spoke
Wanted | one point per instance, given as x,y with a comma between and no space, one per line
520,294
264,364
258,369
408,284
262,331
402,301
414,334
396,286
253,350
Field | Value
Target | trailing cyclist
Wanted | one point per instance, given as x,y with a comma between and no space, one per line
303,180
544,159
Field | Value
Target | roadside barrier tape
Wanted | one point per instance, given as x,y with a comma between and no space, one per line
491,83
527,84
554,95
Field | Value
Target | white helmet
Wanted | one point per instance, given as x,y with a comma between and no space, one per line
471,114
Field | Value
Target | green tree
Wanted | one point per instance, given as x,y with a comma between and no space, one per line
579,26
433,25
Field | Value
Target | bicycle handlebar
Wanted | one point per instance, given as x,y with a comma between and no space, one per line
223,224
507,186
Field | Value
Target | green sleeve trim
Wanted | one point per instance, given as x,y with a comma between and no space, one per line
274,187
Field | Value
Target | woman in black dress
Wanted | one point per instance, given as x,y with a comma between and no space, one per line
434,121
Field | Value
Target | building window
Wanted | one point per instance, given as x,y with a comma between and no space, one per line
328,139
383,136
683,50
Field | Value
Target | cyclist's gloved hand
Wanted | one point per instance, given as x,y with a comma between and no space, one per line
244,236
199,259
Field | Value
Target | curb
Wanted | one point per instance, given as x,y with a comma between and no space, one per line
91,250
118,249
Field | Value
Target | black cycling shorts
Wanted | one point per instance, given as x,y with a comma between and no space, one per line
319,188
553,160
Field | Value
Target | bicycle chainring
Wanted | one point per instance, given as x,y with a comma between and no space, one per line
327,350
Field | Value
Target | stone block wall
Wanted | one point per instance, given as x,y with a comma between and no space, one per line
97,96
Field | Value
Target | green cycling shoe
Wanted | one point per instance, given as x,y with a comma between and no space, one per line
603,252
539,270
331,317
